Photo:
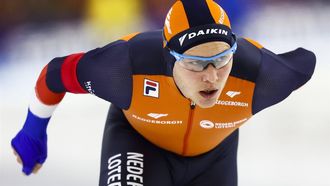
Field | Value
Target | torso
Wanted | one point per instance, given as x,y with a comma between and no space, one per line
167,119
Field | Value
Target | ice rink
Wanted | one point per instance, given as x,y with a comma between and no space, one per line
285,145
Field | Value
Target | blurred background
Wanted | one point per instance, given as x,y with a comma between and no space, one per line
285,145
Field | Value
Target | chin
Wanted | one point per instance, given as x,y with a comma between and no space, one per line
205,103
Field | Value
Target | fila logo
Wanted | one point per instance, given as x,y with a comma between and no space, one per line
202,32
206,124
156,116
151,88
232,94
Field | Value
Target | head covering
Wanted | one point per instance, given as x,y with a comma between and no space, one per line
192,22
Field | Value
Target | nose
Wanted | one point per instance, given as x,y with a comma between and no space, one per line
210,74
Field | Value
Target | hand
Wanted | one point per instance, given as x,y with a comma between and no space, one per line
31,152
19,160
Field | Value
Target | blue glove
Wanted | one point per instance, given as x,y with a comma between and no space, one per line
31,142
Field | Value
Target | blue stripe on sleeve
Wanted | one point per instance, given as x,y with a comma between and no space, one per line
35,126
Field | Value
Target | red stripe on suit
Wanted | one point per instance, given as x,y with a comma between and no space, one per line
69,75
43,93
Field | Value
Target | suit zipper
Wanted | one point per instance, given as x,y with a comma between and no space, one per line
189,128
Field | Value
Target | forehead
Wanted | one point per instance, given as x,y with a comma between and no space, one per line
208,49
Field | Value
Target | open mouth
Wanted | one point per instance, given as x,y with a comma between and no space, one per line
208,93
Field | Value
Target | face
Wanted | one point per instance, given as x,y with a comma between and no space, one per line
205,87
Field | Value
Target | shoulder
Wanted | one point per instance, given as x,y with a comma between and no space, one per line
146,44
147,53
134,42
247,59
149,36
251,57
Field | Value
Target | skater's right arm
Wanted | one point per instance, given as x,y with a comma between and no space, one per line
104,72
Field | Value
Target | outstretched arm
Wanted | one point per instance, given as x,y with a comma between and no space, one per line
279,75
30,144
98,72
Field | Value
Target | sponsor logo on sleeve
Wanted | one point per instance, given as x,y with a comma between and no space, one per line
88,86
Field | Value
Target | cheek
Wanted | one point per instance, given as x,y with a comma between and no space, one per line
185,76
194,79
187,81
224,72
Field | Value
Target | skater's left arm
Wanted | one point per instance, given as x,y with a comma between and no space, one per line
280,74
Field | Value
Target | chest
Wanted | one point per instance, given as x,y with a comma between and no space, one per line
156,100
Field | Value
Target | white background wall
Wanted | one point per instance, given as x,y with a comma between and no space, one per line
287,144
